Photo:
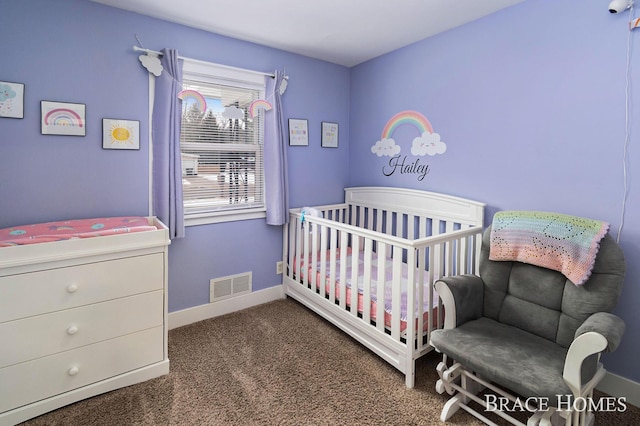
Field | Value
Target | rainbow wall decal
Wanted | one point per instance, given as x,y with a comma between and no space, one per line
63,117
413,118
258,105
194,95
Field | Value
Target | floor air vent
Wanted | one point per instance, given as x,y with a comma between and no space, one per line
231,286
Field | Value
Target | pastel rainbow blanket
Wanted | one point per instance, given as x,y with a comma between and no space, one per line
564,243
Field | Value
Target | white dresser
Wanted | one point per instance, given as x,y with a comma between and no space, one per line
79,318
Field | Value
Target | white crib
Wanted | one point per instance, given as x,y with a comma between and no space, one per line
372,240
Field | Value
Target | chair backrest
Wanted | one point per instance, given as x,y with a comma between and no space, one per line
544,302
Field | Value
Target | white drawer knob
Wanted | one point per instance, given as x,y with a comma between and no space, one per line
72,288
73,329
73,371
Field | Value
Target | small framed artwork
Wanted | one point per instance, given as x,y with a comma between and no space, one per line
329,135
63,118
11,99
298,132
120,134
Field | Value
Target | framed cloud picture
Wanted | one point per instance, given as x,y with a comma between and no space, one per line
63,118
120,134
11,99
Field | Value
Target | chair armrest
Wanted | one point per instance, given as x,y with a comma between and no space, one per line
462,296
601,332
609,325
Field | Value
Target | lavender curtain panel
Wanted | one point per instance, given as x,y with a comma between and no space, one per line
165,133
275,157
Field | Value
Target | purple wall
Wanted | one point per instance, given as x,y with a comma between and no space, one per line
79,51
531,104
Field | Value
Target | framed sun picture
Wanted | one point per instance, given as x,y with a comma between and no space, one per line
11,99
63,118
120,134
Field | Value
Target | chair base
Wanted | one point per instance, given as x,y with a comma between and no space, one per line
464,387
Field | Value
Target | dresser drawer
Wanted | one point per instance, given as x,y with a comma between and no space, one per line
42,335
32,381
40,292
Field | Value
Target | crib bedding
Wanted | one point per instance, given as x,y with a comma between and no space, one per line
71,229
314,267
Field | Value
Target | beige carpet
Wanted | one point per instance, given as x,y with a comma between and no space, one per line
275,364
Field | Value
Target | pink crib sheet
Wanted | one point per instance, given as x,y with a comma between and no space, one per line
314,267
68,229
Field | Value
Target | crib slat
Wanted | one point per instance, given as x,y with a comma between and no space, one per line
411,227
305,256
399,225
464,256
298,252
323,260
420,296
333,255
366,290
313,230
461,257
395,293
411,309
449,247
379,218
354,216
437,225
355,266
290,248
343,268
430,295
389,223
382,259
449,227
422,225
448,258
475,250
285,249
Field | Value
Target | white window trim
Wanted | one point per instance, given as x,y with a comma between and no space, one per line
224,216
241,78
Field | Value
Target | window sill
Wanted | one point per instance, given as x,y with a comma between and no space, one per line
221,217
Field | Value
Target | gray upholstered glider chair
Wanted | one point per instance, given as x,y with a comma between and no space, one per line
528,333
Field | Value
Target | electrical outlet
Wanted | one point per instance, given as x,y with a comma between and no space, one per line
279,267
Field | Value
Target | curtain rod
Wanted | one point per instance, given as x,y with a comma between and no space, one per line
155,52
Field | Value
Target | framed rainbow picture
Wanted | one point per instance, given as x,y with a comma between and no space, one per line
120,134
63,118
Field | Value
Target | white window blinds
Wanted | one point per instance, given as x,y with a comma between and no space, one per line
221,145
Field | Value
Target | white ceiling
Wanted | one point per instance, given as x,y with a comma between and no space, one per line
345,32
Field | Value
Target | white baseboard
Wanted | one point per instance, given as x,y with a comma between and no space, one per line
226,306
619,386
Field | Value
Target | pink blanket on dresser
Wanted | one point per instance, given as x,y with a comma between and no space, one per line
68,229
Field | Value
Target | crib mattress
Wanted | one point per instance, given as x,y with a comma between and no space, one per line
70,229
314,267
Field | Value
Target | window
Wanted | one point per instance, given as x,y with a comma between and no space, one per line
221,144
